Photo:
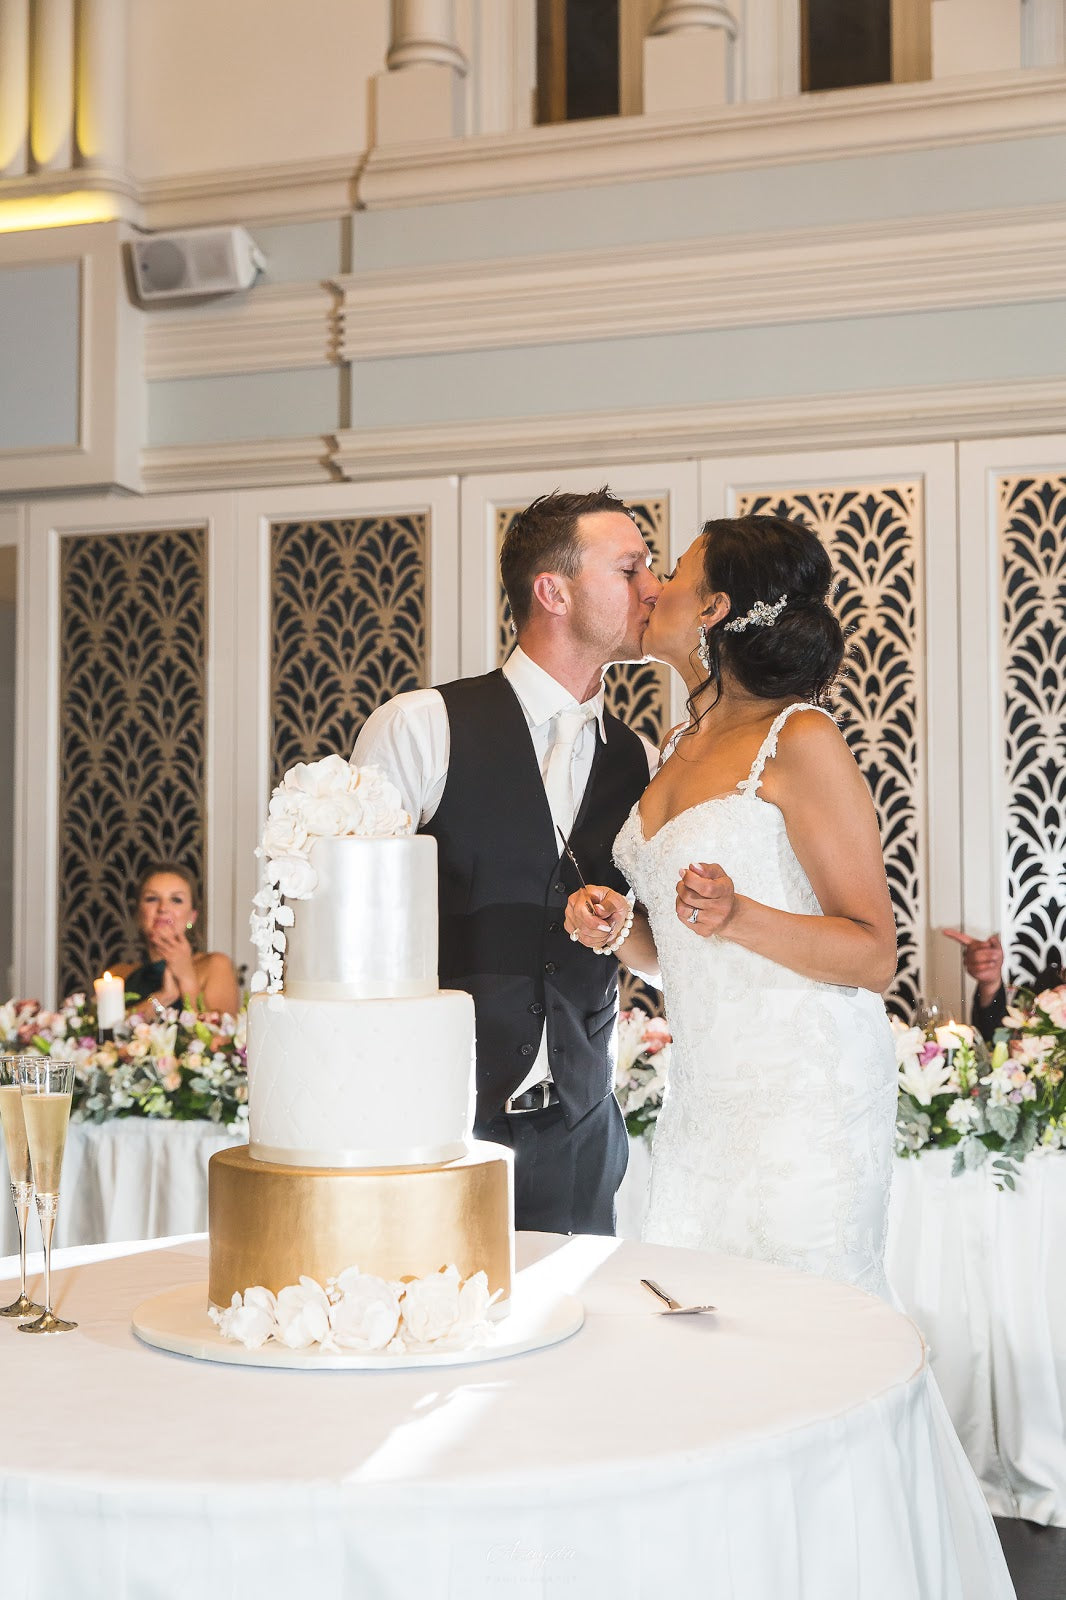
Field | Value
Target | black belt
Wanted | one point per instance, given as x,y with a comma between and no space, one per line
538,1098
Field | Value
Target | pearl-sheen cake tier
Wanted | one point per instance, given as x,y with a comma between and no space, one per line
360,1069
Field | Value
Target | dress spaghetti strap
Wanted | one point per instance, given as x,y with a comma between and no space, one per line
768,748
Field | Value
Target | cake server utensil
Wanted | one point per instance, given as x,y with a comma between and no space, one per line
674,1307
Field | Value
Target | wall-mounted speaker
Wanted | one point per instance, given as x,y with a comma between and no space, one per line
197,261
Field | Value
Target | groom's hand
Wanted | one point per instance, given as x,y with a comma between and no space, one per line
594,915
706,890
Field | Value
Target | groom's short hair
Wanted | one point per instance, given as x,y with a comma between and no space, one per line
545,538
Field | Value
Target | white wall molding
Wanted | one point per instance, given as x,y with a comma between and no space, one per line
278,192
848,122
741,281
881,118
861,419
273,328
247,464
896,416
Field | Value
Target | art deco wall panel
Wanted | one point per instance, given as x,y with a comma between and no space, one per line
1032,546
638,693
873,532
133,735
349,627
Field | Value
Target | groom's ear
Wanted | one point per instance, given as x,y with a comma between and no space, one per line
549,589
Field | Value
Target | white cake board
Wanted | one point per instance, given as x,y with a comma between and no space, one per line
178,1321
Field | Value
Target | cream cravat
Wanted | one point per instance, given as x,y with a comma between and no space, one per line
559,775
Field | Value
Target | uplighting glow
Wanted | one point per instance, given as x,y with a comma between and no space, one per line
55,211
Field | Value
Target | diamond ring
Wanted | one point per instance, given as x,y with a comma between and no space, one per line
695,917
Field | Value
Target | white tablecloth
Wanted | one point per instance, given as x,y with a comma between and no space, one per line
137,1178
790,1447
983,1274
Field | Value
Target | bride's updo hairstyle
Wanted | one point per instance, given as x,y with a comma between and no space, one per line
755,560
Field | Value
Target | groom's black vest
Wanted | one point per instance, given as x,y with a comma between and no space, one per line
503,886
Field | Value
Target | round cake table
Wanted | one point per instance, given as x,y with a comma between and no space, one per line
790,1445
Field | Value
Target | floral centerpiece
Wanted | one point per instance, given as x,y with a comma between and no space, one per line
327,799
185,1067
640,1069
1000,1103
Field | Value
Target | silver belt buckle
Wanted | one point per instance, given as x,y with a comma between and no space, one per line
545,1099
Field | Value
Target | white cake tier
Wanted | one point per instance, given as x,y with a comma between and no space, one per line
369,930
360,1083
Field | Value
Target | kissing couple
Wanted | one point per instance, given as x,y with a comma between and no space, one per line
739,869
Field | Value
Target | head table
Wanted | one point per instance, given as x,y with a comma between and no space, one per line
792,1445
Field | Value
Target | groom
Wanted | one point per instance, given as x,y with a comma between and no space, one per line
492,767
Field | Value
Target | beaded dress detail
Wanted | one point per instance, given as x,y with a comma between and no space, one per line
776,1135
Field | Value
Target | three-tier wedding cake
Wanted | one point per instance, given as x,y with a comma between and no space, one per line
360,1068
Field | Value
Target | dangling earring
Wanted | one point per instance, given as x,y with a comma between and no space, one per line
703,650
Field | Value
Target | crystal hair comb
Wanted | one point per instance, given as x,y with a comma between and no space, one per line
761,615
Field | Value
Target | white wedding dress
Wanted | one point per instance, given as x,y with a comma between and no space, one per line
776,1135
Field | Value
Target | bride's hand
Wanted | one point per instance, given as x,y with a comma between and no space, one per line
597,923
705,898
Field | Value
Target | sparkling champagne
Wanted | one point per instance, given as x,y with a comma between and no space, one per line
47,1117
18,1151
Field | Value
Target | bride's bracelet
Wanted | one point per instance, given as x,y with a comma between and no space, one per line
609,949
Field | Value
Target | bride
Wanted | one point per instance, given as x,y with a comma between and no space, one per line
763,904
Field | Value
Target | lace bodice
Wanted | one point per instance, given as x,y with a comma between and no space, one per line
776,1136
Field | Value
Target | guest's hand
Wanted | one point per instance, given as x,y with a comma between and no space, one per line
595,915
705,898
983,959
174,947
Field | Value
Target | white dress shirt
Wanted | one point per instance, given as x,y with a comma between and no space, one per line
409,739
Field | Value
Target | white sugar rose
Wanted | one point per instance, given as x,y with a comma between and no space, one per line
367,1313
430,1306
327,776
326,816
474,1302
302,1315
248,1321
295,877
283,836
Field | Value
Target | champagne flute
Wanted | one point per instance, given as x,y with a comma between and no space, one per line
18,1161
46,1087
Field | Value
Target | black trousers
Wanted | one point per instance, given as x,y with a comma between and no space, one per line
565,1178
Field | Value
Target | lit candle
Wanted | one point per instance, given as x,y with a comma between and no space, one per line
110,1001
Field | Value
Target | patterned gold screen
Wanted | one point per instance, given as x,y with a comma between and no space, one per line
1032,530
637,692
132,750
348,628
873,532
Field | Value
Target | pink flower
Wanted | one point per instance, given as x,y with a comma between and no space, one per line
929,1052
1053,1004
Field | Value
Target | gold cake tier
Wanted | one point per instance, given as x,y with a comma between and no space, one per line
271,1224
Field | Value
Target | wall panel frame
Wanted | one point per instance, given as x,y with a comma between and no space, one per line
922,830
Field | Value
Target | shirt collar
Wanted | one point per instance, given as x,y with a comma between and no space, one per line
541,696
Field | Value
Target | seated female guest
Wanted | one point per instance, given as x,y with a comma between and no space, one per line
174,973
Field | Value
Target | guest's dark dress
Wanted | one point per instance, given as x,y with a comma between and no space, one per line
145,980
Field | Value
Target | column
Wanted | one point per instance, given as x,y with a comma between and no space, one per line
976,36
52,85
421,96
101,88
689,56
14,87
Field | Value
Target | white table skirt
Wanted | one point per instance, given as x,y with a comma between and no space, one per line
790,1447
134,1178
983,1274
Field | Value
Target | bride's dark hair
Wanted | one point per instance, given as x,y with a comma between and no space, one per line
760,558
